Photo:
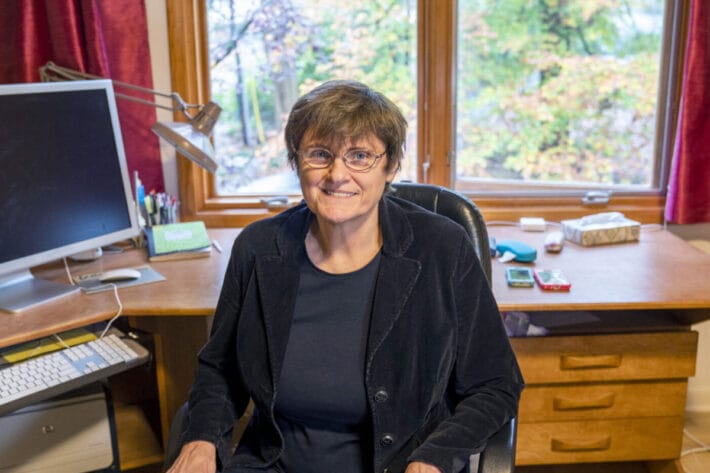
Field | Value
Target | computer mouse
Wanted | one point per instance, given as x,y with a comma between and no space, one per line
121,274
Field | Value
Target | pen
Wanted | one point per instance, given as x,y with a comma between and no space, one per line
217,246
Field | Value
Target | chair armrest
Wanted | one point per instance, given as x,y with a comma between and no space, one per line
499,454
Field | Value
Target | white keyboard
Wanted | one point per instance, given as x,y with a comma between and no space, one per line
54,373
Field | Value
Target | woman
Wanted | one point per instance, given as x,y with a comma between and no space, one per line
360,325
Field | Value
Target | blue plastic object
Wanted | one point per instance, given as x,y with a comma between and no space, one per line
523,252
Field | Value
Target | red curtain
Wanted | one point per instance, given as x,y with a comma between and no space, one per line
688,199
108,38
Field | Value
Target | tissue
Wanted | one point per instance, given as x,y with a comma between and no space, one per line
601,229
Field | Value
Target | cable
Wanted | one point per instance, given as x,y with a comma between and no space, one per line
502,223
66,268
509,223
703,446
61,341
110,322
120,310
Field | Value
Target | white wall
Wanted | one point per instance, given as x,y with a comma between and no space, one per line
698,399
160,64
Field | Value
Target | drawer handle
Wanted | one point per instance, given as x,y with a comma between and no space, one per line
578,362
566,404
581,446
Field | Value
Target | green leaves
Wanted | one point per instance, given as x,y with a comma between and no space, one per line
557,90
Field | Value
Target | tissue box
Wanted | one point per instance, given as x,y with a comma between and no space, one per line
601,233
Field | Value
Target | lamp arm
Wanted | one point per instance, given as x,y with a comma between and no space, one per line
191,138
52,72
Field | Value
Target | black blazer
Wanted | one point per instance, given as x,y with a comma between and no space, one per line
441,376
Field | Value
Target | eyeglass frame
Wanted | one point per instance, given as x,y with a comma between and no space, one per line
333,157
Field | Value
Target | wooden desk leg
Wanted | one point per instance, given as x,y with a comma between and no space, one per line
177,341
665,466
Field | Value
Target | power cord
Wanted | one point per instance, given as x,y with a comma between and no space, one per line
60,340
66,269
115,293
118,313
701,449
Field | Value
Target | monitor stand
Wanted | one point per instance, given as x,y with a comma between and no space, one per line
21,291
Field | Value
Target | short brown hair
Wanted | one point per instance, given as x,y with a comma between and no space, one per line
345,109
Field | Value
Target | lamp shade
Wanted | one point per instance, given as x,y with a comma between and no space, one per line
194,145
192,138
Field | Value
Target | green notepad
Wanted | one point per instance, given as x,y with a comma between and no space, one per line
177,237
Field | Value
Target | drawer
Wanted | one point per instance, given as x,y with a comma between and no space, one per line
602,401
650,438
617,357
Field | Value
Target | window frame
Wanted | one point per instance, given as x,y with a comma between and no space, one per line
187,34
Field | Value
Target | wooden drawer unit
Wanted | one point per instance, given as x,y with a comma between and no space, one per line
597,398
606,357
608,400
643,438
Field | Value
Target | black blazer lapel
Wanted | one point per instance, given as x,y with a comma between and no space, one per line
277,281
395,280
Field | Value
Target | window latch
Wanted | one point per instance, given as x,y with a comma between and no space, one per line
596,197
275,202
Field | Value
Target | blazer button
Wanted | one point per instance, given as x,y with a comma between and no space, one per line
386,440
381,396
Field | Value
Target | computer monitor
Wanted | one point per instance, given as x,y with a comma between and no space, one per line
64,183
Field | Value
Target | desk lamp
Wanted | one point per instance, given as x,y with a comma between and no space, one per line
191,138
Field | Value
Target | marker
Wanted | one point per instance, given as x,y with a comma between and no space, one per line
217,246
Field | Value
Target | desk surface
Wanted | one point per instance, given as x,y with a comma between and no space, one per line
191,287
661,271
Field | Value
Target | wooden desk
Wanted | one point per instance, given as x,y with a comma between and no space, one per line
609,381
175,311
614,367
660,271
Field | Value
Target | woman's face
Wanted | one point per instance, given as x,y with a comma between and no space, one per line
337,195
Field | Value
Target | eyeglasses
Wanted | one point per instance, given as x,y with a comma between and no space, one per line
358,160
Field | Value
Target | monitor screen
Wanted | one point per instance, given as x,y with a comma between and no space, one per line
64,184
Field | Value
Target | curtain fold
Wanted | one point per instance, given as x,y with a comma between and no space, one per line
688,197
104,38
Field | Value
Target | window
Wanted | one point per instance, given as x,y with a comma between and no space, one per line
264,54
535,151
558,93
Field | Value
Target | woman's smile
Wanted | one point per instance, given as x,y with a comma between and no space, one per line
339,193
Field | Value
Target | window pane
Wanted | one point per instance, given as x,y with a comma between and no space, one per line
265,54
557,92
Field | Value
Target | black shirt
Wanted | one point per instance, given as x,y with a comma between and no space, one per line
321,403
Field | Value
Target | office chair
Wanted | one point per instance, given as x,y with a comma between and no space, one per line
457,207
499,454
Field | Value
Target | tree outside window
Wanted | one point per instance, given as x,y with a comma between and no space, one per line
553,91
265,54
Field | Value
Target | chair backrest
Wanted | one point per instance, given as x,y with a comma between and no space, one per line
499,454
457,207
